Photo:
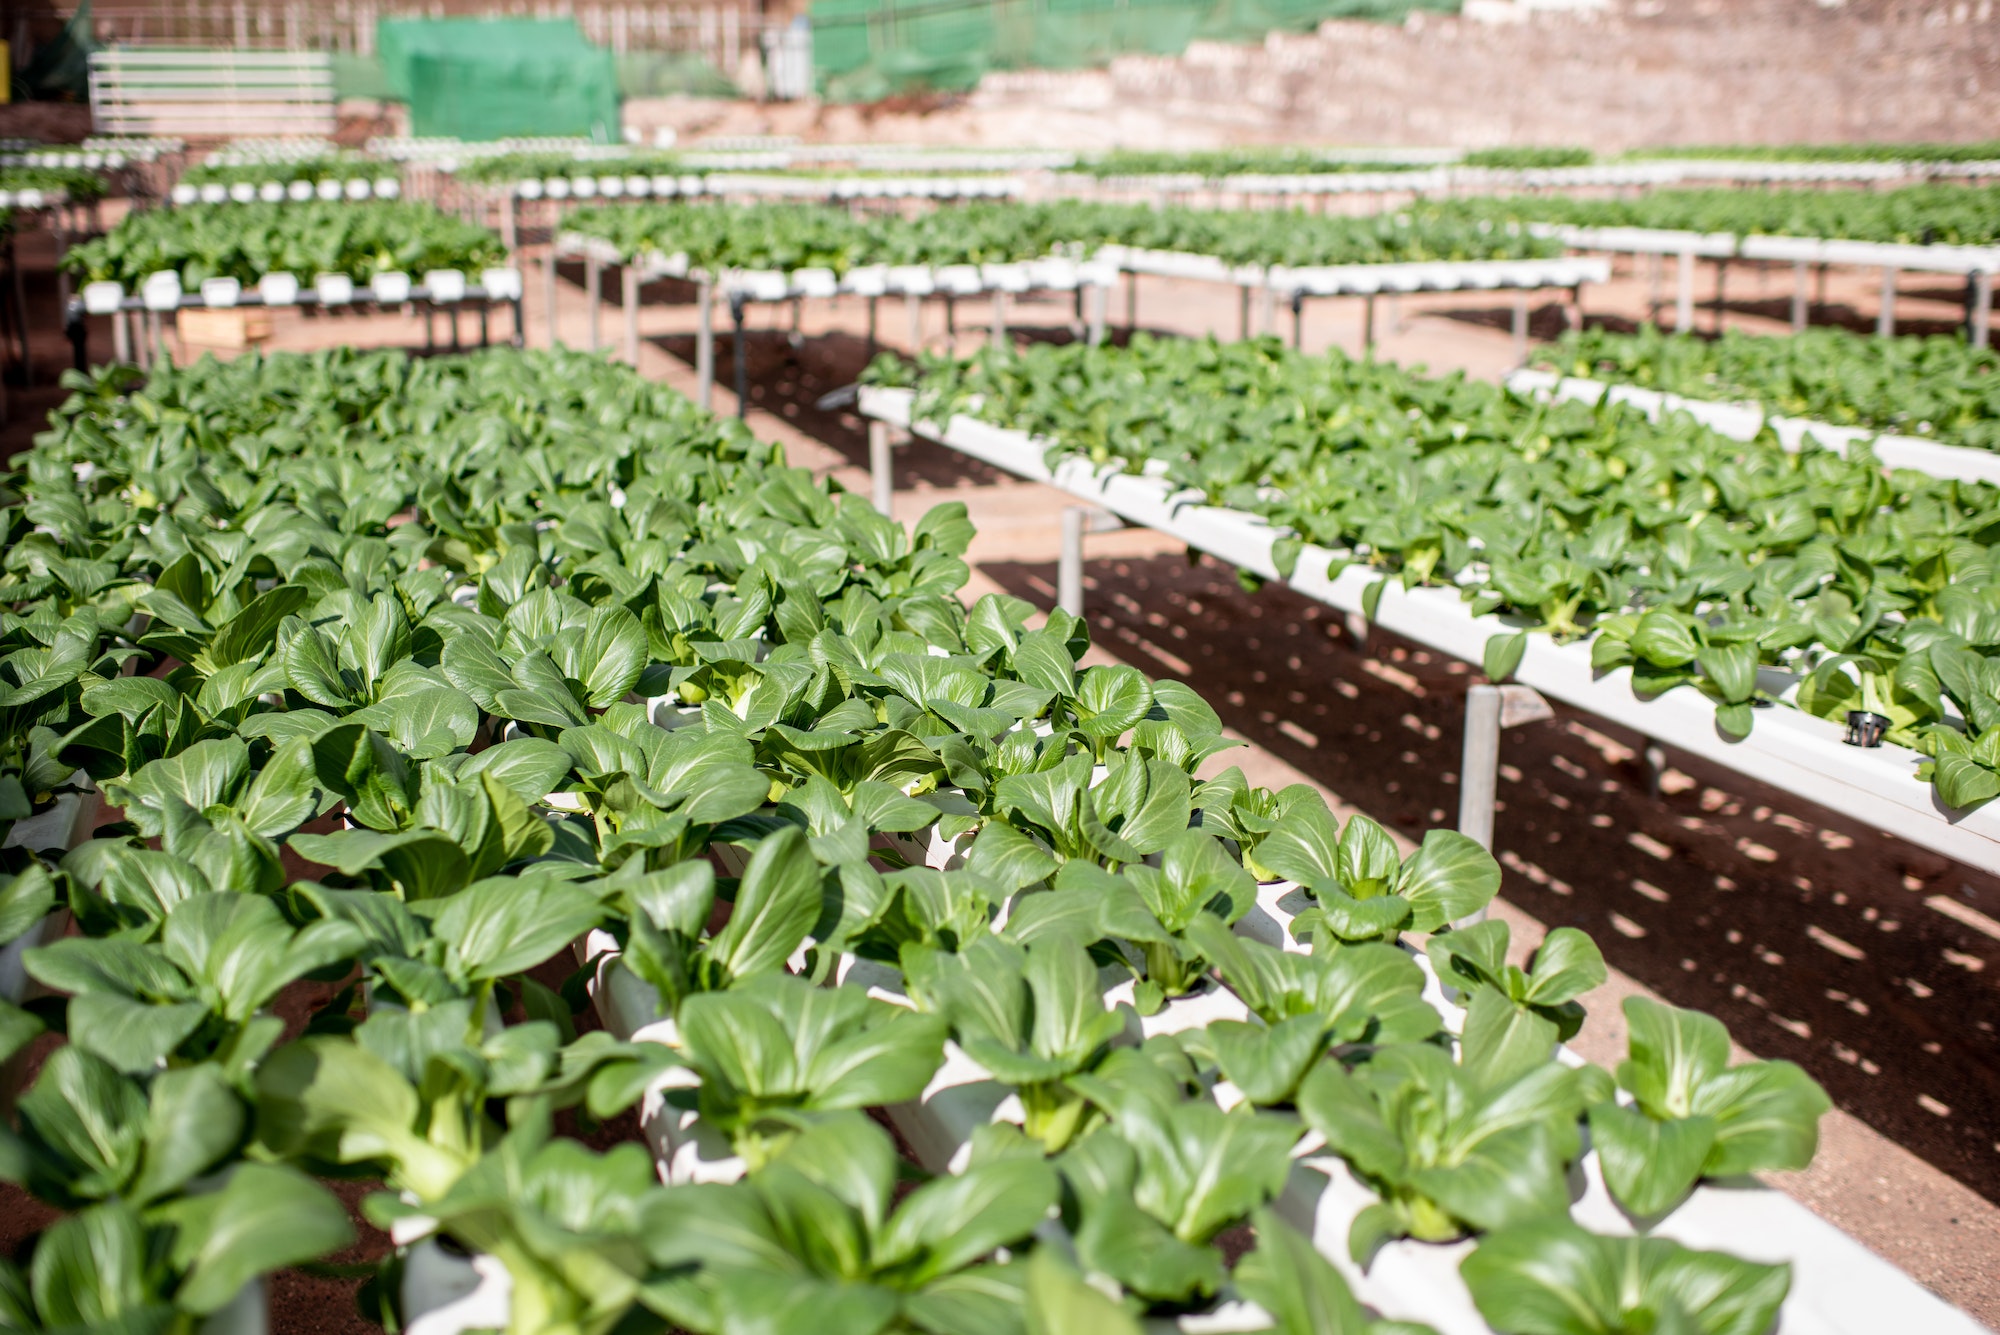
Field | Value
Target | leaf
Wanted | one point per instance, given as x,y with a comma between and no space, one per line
1766,1118
1551,1276
1649,1165
1503,654
1664,639
504,925
529,766
777,904
1450,877
954,1220
1110,700
267,1217
90,1118
89,1269
193,1120
1061,1303
1288,1278
1674,1053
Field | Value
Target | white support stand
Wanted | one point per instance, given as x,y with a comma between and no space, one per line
628,296
913,311
1489,709
998,337
1684,294
1800,311
549,294
1078,520
1979,325
593,276
1520,328
1885,319
704,343
881,467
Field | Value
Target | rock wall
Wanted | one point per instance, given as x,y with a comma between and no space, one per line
1634,73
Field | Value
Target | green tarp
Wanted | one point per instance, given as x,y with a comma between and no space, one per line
499,78
868,49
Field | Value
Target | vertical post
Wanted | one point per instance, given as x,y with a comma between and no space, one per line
1267,308
1298,320
881,469
1479,765
1069,565
1800,312
1655,262
1520,328
628,295
1132,301
913,311
1684,294
593,273
704,342
741,357
998,339
1979,320
510,220
1368,325
873,312
1721,282
121,337
1243,314
1095,297
950,325
1885,318
549,295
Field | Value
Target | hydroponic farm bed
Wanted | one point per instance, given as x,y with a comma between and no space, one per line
1558,538
406,677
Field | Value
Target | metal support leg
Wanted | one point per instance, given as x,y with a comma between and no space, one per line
1095,299
1655,262
628,296
741,357
1069,567
1479,765
881,468
1243,314
593,273
121,337
549,297
1684,295
1721,284
1800,313
1885,318
1131,302
1979,320
873,310
1489,709
1368,325
1520,329
704,342
998,337
913,312
1078,520
1298,321
1267,309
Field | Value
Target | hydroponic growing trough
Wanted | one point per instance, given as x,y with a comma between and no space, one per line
1787,748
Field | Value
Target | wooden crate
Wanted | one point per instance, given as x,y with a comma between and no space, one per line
232,329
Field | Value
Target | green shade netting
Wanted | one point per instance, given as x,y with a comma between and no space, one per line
500,78
868,49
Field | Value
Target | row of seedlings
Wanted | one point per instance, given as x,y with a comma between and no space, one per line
410,682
